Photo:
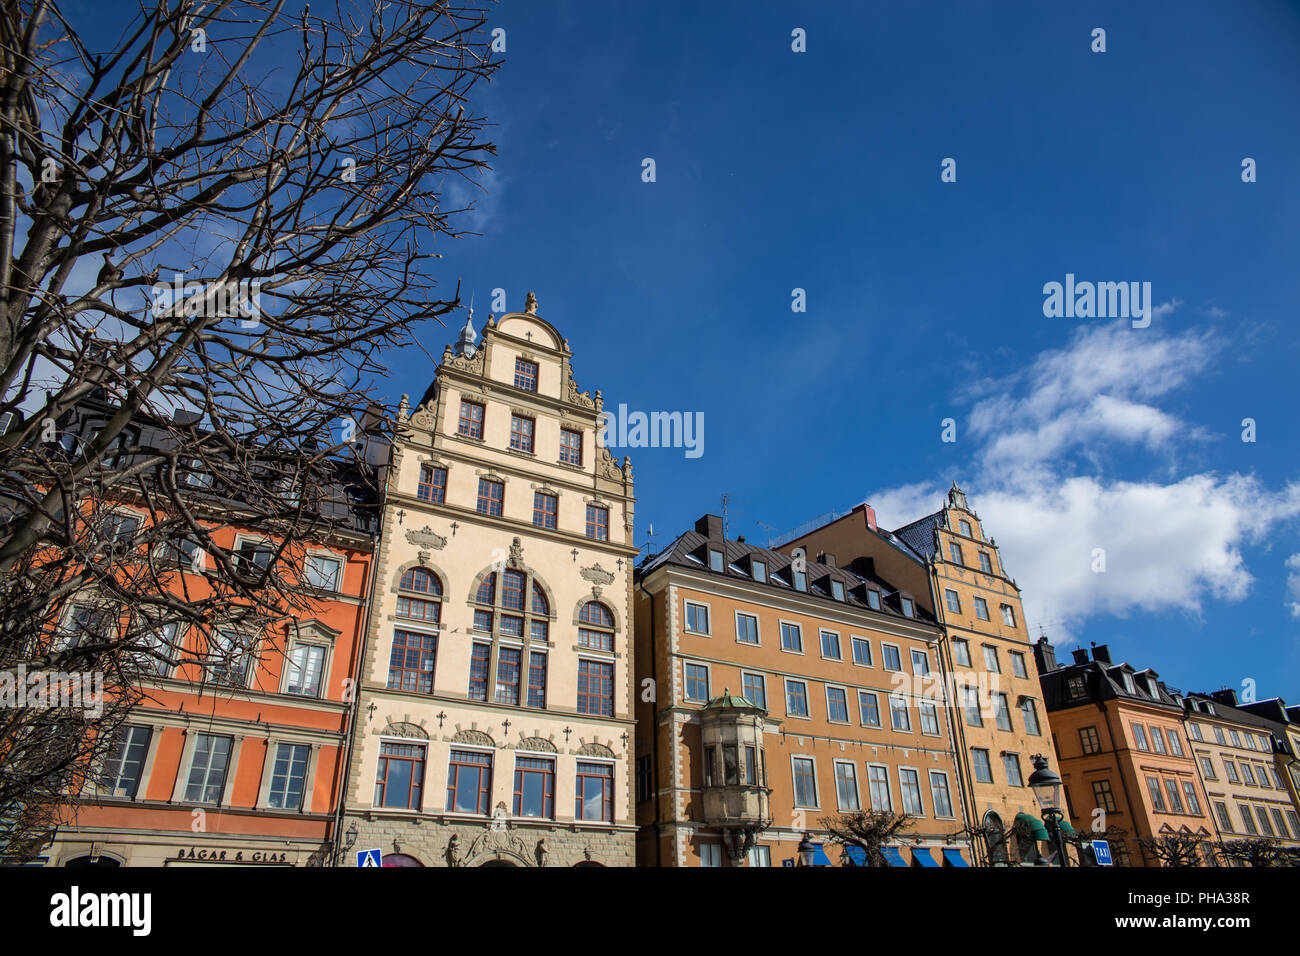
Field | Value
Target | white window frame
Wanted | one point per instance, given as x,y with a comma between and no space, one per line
884,658
907,713
902,792
821,644
889,795
947,787
758,634
686,682
780,628
845,691
853,778
794,789
686,617
880,724
321,555
871,658
921,708
785,688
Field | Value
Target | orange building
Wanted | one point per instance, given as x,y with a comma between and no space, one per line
777,694
235,753
1125,760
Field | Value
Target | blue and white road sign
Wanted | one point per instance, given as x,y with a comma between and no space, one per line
1101,850
370,858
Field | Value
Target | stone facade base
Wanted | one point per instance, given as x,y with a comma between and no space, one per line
408,842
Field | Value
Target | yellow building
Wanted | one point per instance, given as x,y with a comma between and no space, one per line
495,717
954,569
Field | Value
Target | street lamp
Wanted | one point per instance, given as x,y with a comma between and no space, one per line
806,850
1047,791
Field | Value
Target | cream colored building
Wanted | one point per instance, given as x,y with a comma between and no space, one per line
495,721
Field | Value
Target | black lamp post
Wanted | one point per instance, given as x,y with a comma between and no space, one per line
807,849
1047,791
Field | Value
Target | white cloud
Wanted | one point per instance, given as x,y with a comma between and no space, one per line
1168,546
1293,583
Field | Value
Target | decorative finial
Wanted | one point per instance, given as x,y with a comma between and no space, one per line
465,343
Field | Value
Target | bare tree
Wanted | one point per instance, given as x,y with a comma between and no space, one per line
869,831
212,226
1258,851
1177,849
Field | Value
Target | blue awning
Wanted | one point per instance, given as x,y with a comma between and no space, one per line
892,856
857,856
922,856
953,857
819,856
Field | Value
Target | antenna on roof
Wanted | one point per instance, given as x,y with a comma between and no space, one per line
769,529
725,496
649,540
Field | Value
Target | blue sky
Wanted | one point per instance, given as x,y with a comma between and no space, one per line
778,170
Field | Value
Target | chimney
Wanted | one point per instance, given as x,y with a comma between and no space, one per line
1080,655
1101,653
871,516
710,526
825,558
1044,656
866,567
1227,696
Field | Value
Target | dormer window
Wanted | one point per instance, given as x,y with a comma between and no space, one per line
800,579
873,599
715,559
758,569
837,590
1128,682
906,603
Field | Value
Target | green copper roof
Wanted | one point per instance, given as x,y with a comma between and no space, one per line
729,700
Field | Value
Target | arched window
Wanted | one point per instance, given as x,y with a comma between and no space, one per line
428,608
597,627
540,604
507,615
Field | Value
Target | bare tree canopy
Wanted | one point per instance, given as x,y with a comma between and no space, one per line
870,831
212,227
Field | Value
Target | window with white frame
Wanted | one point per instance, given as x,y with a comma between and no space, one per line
920,662
929,718
697,618
796,698
900,717
746,628
837,705
909,786
208,768
868,708
804,770
124,763
306,665
288,776
323,571
697,682
861,651
846,786
1018,664
878,787
830,645
940,795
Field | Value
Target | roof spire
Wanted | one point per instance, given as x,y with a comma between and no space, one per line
465,342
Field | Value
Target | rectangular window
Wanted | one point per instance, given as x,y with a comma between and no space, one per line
873,599
759,856
483,621
800,580
596,688
288,776
830,645
1030,714
479,661
710,854
1157,796
433,484
759,570
892,660
1218,735
1207,768
491,497
306,662
1265,827
746,628
985,564
805,782
1008,615
1101,792
1018,664
410,666
1001,711
1175,801
124,764
837,705
521,433
535,787
597,523
525,375
861,651
837,590
1247,774
970,702
964,526
981,609
878,786
929,718
321,571
1193,804
796,698
954,552
697,683
1247,819
910,787
991,663
399,776
471,419
939,794
755,689
920,662
537,679
509,667
207,780
1195,731
952,600
229,658
1089,740
961,652
906,604
697,618
846,786
1231,769
469,781
546,510
1011,763
570,446
899,716
868,708
1140,737
594,792
715,559
791,637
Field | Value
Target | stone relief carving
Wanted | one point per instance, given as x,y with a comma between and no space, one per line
540,744
594,750
427,536
516,559
597,575
401,728
473,737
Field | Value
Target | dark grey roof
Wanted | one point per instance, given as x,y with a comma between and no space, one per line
919,535
1237,715
689,550
1101,682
